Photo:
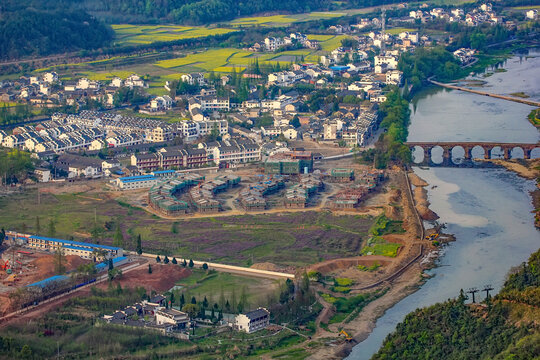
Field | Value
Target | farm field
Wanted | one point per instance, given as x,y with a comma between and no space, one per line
127,34
285,239
289,19
398,30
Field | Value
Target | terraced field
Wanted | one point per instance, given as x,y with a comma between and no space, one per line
127,34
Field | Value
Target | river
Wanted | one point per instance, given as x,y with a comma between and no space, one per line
488,210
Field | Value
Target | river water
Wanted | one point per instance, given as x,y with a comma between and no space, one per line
488,210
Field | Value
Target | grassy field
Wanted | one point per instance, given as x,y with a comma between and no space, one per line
212,284
146,34
295,239
398,30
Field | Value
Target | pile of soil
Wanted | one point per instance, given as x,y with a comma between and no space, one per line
45,266
422,204
416,180
162,278
266,266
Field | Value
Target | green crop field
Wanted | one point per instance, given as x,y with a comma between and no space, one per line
288,19
398,30
333,43
319,37
207,60
146,34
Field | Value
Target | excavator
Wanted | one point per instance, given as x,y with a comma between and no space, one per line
347,336
432,236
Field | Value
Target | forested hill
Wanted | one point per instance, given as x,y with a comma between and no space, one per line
505,327
28,32
192,12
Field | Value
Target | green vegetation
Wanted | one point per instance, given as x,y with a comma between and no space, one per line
502,328
350,307
534,117
371,268
14,166
390,148
127,34
30,32
379,246
384,225
220,288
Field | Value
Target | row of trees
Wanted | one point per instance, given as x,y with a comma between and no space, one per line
390,148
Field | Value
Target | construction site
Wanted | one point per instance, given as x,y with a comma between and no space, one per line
287,181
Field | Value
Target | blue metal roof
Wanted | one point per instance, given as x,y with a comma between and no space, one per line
163,172
47,281
138,177
102,266
339,68
75,243
137,180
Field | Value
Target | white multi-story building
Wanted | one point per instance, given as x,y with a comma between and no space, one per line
193,79
215,103
273,43
253,320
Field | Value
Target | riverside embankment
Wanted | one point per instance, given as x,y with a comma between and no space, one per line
488,210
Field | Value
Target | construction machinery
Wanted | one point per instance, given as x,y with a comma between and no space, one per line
432,236
5,265
347,336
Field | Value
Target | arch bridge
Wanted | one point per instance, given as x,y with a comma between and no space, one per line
487,147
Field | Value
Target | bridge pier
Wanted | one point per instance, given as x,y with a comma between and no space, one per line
446,156
507,153
527,153
468,153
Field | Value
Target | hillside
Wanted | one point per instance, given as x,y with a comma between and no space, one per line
31,32
505,327
191,12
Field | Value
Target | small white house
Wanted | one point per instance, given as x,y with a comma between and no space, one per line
252,321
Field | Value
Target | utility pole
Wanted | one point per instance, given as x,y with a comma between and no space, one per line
473,291
383,23
487,289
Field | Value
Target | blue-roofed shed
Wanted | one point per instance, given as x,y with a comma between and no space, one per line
48,281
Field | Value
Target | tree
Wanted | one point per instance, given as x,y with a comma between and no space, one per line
38,227
118,238
205,266
149,268
26,352
114,273
191,264
139,244
51,231
184,263
59,262
193,300
158,259
111,265
295,121
166,260
174,261
172,298
182,300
